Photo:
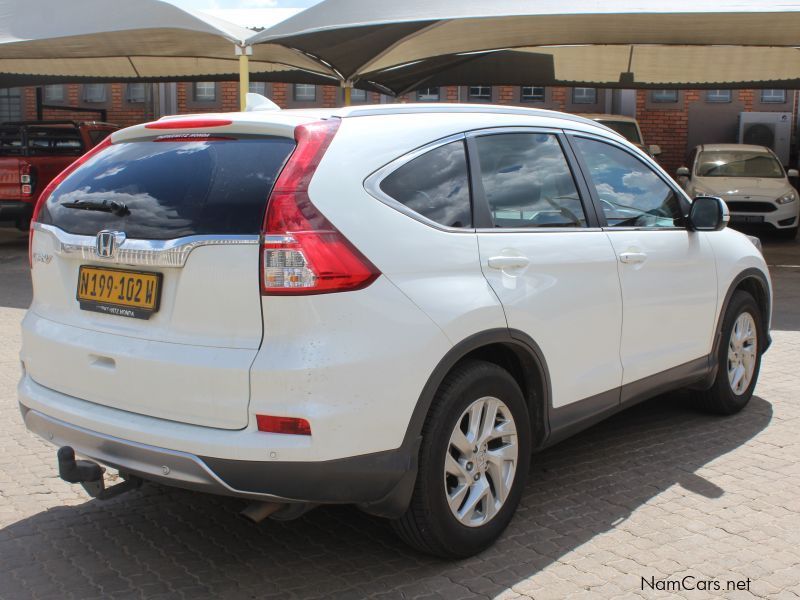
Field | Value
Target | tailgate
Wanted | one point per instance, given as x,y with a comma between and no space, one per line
155,308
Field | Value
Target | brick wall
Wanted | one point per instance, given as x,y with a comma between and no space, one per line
668,127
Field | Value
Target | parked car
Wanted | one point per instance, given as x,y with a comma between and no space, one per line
627,127
750,179
32,153
389,306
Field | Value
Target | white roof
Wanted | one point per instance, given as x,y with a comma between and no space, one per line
734,147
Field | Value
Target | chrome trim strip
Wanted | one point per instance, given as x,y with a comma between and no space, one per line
170,467
145,253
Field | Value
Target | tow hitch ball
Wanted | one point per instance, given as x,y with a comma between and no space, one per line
90,475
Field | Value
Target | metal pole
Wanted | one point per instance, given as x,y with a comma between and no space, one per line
243,52
39,109
348,92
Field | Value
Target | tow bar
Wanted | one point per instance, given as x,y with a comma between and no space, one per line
90,475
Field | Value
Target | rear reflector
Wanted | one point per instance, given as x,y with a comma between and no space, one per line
187,123
288,425
302,252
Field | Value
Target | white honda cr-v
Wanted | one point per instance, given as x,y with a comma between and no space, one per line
389,306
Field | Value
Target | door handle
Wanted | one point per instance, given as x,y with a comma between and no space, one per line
508,262
633,258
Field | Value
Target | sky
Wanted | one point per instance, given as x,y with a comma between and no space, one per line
248,13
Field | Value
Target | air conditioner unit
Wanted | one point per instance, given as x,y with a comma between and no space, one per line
770,129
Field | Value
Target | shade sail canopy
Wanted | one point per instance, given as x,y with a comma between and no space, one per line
707,41
602,66
45,41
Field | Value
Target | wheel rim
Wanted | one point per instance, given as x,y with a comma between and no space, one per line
481,461
742,348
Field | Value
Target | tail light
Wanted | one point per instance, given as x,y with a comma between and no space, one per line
26,182
43,197
302,252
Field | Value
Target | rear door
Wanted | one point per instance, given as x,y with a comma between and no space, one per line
552,268
145,273
668,273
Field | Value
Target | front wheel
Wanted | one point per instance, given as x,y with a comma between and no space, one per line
739,357
473,463
787,234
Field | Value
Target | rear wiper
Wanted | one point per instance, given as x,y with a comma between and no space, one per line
109,206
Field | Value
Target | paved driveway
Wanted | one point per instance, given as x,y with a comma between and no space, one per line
655,493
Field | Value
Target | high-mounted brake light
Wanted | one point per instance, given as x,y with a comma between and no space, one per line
290,425
187,123
302,252
55,182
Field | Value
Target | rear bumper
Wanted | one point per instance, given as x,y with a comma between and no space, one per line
15,209
380,482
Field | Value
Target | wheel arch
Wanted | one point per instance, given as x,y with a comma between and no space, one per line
754,282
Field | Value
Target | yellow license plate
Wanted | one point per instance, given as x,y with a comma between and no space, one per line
118,291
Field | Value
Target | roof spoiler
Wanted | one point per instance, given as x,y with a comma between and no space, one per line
257,102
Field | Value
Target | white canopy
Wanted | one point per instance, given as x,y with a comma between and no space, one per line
653,42
64,40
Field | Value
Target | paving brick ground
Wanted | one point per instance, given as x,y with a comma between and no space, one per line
658,491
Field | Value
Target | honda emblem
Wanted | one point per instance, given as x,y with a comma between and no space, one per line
107,242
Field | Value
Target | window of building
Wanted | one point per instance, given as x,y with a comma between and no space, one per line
630,192
258,87
664,96
205,91
54,93
430,94
10,104
357,95
584,96
480,92
94,93
136,92
529,93
527,181
773,96
305,92
718,96
435,185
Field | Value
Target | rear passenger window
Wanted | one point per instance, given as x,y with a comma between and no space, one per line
435,185
528,182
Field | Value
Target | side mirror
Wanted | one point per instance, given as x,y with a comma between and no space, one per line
708,214
655,149
793,173
682,172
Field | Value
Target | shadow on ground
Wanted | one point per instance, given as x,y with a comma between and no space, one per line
161,541
15,277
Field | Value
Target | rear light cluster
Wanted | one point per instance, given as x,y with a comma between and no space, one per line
56,181
26,181
302,252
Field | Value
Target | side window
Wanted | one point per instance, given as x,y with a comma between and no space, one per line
435,185
631,194
528,182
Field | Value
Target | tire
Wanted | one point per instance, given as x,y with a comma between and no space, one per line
787,234
429,524
721,398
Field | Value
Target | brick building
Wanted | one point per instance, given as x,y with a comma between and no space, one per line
677,120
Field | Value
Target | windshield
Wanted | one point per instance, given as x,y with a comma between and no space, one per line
738,163
626,129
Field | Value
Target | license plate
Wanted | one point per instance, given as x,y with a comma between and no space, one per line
119,292
747,219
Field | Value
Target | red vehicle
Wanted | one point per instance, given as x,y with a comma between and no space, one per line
32,153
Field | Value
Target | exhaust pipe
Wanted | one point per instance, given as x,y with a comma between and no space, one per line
258,511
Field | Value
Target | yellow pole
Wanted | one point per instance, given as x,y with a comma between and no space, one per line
348,95
244,79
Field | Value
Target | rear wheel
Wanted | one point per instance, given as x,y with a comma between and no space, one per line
473,463
739,357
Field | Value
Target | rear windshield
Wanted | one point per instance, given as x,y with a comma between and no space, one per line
48,141
10,141
170,189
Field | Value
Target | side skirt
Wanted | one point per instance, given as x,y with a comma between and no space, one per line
568,420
